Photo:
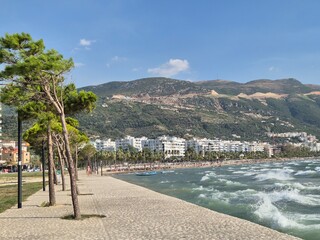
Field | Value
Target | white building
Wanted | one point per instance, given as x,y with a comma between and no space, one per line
171,146
136,143
104,145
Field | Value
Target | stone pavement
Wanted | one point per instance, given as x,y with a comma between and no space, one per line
132,212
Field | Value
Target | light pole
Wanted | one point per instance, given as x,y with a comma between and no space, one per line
43,168
19,162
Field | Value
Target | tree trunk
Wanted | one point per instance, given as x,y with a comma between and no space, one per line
73,183
52,196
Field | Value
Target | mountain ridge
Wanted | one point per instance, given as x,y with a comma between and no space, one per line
215,108
219,108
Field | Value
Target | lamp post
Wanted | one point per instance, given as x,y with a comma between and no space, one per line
43,168
19,162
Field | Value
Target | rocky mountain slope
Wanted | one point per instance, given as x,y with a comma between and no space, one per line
217,108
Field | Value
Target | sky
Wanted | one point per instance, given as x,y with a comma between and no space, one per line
122,40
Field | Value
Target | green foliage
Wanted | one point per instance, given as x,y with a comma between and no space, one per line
289,151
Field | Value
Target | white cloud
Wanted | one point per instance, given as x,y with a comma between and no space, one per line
170,68
119,59
78,64
115,60
273,69
85,42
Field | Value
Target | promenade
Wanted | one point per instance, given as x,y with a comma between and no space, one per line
132,212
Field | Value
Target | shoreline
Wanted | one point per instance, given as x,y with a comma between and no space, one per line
142,167
131,212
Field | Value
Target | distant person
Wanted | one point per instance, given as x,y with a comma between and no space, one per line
88,170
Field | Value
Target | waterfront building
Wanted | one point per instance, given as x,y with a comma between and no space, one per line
104,145
172,146
136,143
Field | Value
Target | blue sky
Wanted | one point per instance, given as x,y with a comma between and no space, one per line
119,40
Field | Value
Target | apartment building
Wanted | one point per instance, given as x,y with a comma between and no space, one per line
172,146
104,145
10,155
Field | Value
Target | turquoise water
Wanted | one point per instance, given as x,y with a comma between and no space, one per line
282,196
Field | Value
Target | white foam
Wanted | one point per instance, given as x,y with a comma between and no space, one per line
201,188
267,211
208,175
317,169
239,172
294,196
249,174
205,178
278,174
164,181
202,196
229,182
307,172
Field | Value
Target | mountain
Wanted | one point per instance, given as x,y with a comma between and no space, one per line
214,108
282,86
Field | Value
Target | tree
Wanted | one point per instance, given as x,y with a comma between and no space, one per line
86,154
40,74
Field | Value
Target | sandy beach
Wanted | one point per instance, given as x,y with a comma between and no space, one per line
132,212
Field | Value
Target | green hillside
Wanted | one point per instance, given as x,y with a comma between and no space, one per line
156,106
186,108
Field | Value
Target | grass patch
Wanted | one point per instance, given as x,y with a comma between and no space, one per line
84,194
45,204
9,194
84,216
8,176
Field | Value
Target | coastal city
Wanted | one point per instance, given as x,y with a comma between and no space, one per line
172,146
159,120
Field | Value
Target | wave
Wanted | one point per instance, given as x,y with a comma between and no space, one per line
296,185
249,174
231,183
244,168
277,174
291,195
164,181
205,178
201,188
267,211
208,176
238,172
306,172
317,169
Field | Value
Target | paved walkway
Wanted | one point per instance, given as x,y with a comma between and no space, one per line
132,212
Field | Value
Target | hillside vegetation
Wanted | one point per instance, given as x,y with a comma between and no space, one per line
217,108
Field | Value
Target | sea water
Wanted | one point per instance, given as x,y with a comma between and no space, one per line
283,196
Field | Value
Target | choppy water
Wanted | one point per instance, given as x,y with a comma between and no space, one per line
282,196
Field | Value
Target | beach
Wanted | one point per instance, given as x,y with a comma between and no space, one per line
126,168
131,212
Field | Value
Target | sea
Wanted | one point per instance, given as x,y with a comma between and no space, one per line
284,196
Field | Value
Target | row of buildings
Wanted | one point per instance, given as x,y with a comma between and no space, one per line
177,147
9,153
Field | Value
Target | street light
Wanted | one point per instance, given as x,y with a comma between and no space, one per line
19,162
